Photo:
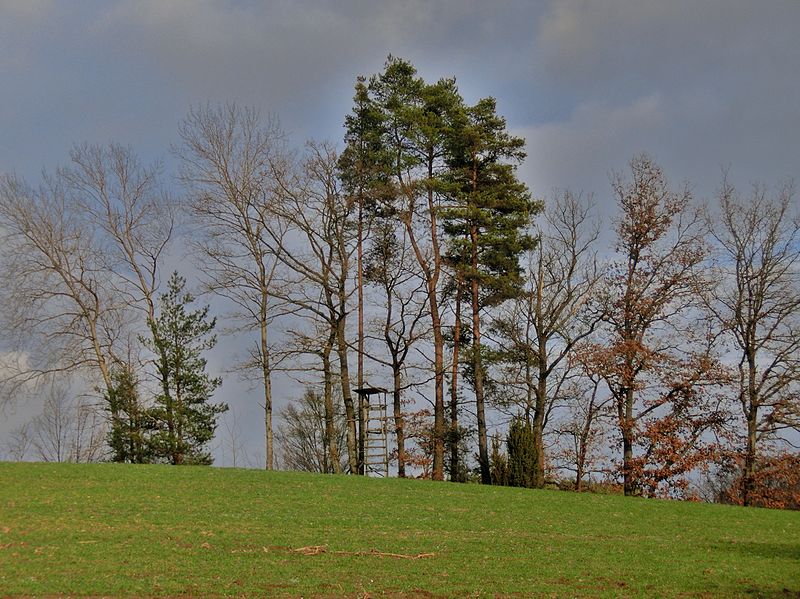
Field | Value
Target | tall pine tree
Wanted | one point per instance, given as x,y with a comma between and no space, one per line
486,223
396,156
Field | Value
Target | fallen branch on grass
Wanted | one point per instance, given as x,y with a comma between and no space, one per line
317,549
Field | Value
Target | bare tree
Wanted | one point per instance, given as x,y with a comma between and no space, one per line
232,442
302,436
538,331
67,430
757,302
227,156
390,269
125,200
83,251
316,251
88,442
318,341
61,306
51,428
19,442
581,430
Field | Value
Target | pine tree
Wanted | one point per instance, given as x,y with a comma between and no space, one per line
396,160
364,171
486,223
186,420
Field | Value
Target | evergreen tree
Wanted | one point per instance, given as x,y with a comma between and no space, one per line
186,420
364,169
417,153
521,454
130,423
486,223
396,158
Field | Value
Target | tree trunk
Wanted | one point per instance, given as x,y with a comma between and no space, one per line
329,441
347,397
629,478
629,482
751,415
362,430
362,415
431,276
268,439
266,376
438,412
582,449
438,342
454,432
399,425
538,423
749,477
541,383
483,450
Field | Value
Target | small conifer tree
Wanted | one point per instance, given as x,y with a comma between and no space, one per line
521,454
186,420
499,464
128,435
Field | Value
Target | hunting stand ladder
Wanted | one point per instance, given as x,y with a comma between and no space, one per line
376,437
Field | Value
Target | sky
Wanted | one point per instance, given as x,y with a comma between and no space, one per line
700,86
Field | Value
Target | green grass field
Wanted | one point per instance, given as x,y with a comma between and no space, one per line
120,530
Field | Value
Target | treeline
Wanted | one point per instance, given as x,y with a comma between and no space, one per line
658,352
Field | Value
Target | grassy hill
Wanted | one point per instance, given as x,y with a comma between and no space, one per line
118,530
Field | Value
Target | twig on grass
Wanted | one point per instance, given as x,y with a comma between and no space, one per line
317,549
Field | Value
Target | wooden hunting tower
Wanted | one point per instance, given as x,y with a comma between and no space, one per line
376,430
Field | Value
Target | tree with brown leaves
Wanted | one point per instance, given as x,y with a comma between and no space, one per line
656,365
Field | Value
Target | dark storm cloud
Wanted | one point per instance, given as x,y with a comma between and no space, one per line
699,85
130,70
589,83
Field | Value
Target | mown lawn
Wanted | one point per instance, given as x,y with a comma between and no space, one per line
121,530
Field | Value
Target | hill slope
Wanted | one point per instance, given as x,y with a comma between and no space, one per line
163,531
